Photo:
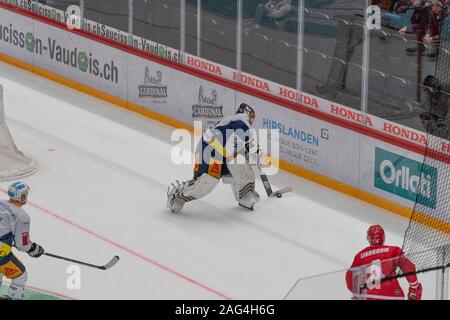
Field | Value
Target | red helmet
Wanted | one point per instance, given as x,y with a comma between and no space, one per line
375,235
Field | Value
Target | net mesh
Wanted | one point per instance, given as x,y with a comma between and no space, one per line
427,239
13,163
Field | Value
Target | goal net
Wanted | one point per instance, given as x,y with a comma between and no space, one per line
428,235
13,163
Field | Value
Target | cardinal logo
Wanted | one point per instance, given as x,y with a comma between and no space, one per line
153,85
208,107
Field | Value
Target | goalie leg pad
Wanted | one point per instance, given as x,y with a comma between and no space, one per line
243,184
249,199
189,191
200,187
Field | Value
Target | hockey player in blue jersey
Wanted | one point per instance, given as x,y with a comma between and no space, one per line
227,151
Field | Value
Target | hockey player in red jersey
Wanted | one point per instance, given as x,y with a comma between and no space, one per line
379,261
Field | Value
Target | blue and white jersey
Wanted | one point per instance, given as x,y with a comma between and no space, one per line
14,228
233,122
232,133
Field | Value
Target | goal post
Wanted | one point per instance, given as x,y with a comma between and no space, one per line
13,163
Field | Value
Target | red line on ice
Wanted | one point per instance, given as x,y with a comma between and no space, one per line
130,251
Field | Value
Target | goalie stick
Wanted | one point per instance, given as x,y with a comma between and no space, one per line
270,193
110,264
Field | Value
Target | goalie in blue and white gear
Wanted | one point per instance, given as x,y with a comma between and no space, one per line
227,151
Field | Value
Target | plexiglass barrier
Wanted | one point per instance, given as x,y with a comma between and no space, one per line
390,59
158,21
316,46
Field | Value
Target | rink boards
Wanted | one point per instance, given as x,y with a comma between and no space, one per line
367,157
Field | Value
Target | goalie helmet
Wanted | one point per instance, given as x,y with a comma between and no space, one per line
19,192
375,235
246,109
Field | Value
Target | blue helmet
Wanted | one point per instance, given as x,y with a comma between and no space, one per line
249,111
17,191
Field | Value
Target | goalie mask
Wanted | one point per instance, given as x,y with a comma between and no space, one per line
246,109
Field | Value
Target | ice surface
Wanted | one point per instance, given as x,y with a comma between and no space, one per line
101,191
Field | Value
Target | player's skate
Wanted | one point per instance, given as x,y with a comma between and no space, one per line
174,201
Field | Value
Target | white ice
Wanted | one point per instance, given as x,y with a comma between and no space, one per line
101,191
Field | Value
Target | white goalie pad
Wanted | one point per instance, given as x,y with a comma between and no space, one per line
243,184
189,191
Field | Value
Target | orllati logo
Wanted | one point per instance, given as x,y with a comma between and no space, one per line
406,178
402,178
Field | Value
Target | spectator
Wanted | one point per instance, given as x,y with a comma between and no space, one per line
419,22
393,4
401,6
432,36
274,12
446,10
383,4
401,15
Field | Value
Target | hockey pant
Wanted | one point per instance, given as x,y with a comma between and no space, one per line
12,268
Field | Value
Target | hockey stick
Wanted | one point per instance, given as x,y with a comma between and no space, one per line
270,193
110,264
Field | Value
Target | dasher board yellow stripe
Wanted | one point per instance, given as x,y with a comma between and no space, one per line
284,165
